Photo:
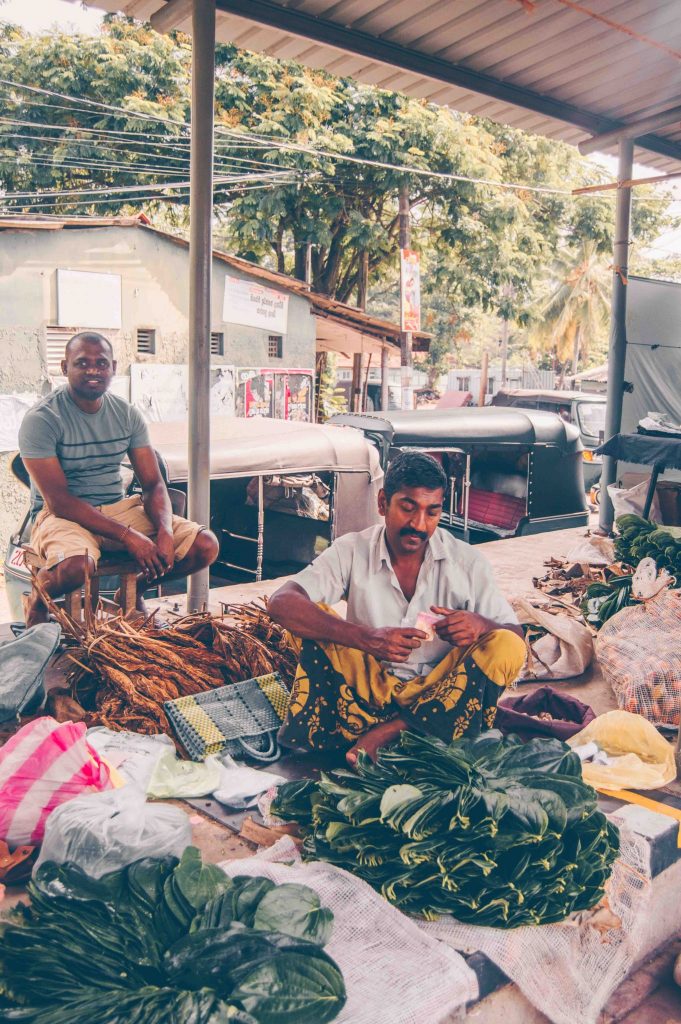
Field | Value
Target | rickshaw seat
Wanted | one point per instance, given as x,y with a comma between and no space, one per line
502,510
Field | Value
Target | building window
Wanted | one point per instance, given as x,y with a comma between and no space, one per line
217,343
490,385
146,340
56,338
275,346
464,383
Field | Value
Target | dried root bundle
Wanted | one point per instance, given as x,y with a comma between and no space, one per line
125,669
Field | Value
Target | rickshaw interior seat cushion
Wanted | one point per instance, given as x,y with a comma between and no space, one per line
501,510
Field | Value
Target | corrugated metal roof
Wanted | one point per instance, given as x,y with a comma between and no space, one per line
560,68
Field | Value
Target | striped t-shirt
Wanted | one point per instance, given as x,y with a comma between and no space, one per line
89,446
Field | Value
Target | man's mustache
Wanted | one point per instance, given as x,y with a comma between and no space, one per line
406,532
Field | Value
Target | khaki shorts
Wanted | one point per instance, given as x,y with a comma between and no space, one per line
55,539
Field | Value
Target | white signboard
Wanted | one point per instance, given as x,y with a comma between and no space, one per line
253,305
86,298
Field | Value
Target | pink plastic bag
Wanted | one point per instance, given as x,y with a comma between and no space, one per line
42,766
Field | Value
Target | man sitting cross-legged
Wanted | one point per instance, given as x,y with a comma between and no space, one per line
363,679
73,443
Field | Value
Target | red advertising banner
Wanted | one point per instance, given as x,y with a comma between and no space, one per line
410,290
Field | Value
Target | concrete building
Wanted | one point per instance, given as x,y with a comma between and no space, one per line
121,276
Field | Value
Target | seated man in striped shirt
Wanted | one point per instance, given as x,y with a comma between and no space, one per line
73,443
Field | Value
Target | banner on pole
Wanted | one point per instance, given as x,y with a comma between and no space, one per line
410,290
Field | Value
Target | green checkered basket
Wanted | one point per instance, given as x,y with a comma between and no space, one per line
240,719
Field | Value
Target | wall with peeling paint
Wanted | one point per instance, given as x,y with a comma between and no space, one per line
154,275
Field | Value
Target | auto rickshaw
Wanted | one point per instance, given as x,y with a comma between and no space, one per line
280,493
511,472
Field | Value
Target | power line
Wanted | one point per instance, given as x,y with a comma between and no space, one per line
130,188
133,199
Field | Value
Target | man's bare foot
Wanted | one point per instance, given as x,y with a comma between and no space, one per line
380,736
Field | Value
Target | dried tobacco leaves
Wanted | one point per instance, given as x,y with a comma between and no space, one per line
493,831
125,669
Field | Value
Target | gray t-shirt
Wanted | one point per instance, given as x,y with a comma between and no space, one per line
89,446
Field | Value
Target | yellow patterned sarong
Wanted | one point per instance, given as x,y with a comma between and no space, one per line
339,693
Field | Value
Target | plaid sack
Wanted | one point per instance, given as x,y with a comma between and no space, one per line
240,719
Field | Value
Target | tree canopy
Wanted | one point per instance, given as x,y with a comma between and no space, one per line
304,163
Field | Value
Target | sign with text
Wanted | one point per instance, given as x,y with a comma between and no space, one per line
410,290
252,305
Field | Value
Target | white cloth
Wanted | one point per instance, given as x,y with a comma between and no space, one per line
357,568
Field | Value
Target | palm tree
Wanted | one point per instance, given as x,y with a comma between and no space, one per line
572,315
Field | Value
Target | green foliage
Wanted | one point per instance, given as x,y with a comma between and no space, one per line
484,249
166,940
493,831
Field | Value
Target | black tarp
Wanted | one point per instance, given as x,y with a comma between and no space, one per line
644,450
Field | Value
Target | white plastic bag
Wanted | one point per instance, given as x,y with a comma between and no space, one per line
133,754
103,832
633,500
240,786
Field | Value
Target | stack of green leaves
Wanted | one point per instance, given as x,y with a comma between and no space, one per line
488,829
165,941
637,538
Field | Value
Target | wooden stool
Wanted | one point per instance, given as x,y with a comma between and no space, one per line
122,566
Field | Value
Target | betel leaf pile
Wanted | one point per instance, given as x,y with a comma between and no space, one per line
168,941
491,830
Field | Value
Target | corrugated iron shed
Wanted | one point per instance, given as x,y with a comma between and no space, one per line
566,69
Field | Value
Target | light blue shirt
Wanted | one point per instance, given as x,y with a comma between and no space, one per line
357,568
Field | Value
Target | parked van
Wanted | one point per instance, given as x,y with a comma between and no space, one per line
586,411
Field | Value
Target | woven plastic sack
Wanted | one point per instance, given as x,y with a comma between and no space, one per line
564,652
42,766
640,654
394,973
642,758
103,832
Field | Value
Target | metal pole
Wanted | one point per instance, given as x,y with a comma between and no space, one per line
200,271
406,360
385,366
618,327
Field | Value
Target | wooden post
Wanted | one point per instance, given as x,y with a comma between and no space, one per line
385,367
484,374
356,391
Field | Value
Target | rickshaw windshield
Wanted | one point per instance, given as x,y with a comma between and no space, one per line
591,418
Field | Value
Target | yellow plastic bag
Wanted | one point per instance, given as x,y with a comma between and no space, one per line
644,759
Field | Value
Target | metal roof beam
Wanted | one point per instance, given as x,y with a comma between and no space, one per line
630,130
329,33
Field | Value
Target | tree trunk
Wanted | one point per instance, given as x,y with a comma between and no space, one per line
575,349
363,279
